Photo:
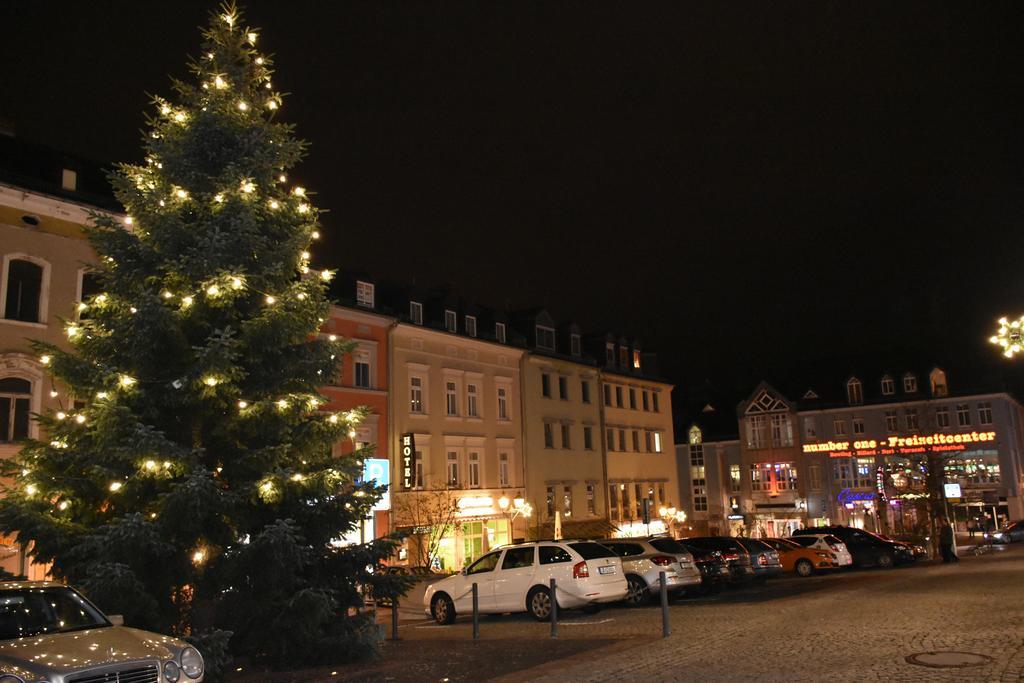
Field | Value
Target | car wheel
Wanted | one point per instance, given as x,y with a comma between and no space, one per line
637,593
804,568
443,609
538,603
885,561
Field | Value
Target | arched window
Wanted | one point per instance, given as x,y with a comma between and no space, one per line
695,435
15,399
24,291
855,391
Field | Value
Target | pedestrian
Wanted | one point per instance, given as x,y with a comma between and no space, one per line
946,543
972,526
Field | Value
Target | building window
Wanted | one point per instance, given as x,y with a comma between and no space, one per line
364,294
503,470
909,383
610,438
648,442
963,414
15,401
415,395
646,400
607,395
453,469
890,422
563,388
636,360
450,320
585,391
734,477
757,431
613,502
545,385
942,416
549,435
499,332
854,392
588,438
567,501
638,496
888,386
911,415
985,413
618,397
545,337
502,404
622,440
24,291
574,344
591,503
636,441
88,286
809,431
755,477
623,356
471,401
471,325
418,483
362,370
782,430
697,453
452,397
550,500
474,470
654,402
565,437
858,426
815,472
700,489
632,398
785,476
416,312
839,426
657,442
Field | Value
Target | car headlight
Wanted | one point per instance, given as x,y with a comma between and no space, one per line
172,672
191,662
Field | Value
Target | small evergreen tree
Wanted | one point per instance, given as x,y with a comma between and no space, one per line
190,485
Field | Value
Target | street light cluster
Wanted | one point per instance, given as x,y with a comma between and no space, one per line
1010,336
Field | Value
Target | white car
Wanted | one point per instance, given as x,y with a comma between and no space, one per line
51,634
825,542
517,578
643,560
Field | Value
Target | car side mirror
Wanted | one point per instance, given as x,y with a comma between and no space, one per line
116,619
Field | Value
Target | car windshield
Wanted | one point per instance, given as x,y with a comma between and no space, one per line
591,551
31,611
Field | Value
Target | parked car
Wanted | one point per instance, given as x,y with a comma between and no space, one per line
867,549
825,542
714,571
1011,533
763,558
516,578
800,560
49,632
736,556
643,560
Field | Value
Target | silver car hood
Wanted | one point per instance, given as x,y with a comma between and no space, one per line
59,654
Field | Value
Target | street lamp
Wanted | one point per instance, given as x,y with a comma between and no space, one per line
671,517
513,509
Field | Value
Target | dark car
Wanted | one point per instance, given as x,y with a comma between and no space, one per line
1011,533
764,559
736,556
714,570
867,549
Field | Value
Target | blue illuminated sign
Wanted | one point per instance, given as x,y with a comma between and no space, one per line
379,470
850,496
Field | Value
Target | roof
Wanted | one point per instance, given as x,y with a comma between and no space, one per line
40,169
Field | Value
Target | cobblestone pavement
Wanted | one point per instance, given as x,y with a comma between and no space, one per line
853,626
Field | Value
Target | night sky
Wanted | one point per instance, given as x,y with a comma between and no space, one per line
749,188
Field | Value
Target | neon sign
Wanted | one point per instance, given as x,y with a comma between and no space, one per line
408,461
850,496
898,445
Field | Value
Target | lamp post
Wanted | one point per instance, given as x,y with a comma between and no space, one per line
513,509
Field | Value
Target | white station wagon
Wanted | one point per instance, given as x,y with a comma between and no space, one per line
517,578
51,634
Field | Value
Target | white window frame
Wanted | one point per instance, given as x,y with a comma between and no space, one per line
942,417
657,442
537,330
424,407
888,386
549,435
909,383
365,293
499,332
854,392
963,414
452,482
504,469
588,438
575,344
892,421
472,399
501,396
476,473
985,413
609,353
566,431
451,320
839,426
44,289
471,325
451,397
415,312
363,356
858,426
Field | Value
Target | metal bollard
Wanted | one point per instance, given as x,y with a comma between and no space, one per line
554,611
394,619
666,630
476,613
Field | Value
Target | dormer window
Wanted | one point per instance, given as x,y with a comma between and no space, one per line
636,360
623,356
938,382
416,312
888,386
695,436
450,321
609,353
854,392
364,294
471,325
499,332
68,179
909,383
574,344
545,337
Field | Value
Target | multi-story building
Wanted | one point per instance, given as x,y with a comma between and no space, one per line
563,447
642,476
45,200
363,384
860,454
456,431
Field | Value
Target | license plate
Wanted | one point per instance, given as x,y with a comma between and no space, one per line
610,569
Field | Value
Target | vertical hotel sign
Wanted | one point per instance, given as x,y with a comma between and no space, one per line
408,452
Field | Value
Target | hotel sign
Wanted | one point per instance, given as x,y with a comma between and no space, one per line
899,445
408,456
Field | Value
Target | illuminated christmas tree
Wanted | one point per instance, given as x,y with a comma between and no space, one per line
189,484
